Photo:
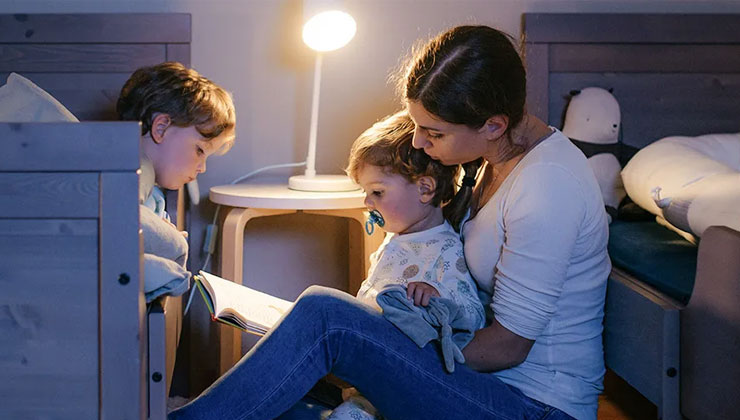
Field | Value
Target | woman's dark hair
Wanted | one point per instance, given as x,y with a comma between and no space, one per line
387,144
173,89
465,76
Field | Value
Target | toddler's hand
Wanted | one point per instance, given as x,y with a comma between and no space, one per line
420,292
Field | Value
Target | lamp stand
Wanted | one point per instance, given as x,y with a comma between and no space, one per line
309,181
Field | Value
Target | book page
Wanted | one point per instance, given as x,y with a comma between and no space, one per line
257,311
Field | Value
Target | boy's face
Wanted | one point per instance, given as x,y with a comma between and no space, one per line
404,205
181,155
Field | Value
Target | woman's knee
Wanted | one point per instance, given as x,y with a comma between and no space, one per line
322,298
335,307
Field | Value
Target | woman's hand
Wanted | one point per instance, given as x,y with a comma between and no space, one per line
495,348
420,292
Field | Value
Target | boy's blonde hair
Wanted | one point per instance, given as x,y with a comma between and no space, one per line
187,97
387,144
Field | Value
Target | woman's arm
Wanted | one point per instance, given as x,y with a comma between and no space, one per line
495,348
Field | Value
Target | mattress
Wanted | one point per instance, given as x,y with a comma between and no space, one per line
655,255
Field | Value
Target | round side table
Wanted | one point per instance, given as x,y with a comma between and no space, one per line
249,201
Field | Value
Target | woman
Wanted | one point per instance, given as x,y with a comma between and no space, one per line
535,241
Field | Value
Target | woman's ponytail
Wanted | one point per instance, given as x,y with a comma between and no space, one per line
455,210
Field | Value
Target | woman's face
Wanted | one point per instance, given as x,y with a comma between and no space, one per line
446,142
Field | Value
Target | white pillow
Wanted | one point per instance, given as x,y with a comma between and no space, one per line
22,101
692,182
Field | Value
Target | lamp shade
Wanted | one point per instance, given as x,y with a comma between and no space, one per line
328,31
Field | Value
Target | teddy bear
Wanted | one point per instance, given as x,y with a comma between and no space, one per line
592,122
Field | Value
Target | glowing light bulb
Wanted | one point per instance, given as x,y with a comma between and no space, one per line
328,31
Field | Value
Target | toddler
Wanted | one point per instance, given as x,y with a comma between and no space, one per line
405,191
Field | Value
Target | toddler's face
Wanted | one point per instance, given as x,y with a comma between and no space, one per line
182,155
398,200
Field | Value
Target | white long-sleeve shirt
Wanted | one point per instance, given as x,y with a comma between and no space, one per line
538,246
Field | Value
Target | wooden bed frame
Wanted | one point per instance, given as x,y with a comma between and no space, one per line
672,75
82,342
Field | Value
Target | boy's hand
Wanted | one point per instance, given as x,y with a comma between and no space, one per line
420,292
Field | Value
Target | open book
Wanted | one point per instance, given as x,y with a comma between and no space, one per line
239,306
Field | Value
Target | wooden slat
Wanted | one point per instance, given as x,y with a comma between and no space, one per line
96,28
656,105
645,58
48,304
638,324
632,28
122,307
157,363
537,60
92,58
56,147
60,81
49,195
179,52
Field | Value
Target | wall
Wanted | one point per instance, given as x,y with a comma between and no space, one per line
253,49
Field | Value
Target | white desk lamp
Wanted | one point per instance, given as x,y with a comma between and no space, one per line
326,31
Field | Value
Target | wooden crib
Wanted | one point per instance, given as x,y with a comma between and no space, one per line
78,340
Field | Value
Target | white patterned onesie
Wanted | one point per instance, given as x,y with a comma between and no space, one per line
433,256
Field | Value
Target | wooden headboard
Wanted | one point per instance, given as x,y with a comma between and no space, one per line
84,59
673,74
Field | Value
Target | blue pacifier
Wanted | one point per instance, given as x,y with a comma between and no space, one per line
374,219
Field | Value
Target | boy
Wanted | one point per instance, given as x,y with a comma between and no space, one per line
185,119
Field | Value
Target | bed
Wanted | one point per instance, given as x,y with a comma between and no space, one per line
79,341
673,74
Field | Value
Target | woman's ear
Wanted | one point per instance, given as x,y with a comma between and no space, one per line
427,186
160,123
495,126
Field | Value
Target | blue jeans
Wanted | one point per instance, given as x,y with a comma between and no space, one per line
329,331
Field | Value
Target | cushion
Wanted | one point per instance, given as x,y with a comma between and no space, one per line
22,101
161,237
164,276
654,255
165,254
691,182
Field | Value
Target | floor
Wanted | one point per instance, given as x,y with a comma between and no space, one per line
621,402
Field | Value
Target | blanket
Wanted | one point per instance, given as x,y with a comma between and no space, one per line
442,320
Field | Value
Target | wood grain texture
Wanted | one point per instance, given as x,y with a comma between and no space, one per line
632,28
637,340
86,58
58,257
58,147
57,195
122,324
96,28
643,58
